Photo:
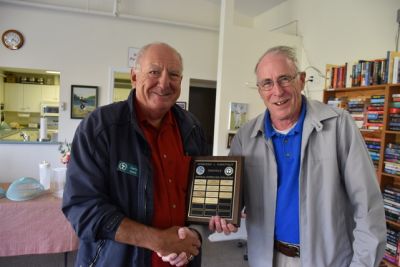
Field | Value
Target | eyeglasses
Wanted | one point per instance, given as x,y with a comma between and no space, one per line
282,81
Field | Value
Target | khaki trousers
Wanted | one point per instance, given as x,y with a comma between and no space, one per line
281,260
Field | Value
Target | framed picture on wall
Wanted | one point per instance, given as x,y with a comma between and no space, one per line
83,100
182,104
237,115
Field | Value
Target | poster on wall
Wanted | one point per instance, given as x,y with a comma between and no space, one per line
237,115
83,100
132,55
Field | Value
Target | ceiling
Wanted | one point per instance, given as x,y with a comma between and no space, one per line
167,10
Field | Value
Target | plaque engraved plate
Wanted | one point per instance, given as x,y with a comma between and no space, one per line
215,189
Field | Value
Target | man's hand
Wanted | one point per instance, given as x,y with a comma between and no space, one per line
219,224
164,242
182,258
170,241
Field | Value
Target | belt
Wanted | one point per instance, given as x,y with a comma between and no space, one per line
287,249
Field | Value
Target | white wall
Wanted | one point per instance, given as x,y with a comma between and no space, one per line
335,32
239,50
84,47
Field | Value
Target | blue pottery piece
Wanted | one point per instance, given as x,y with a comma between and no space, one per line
24,188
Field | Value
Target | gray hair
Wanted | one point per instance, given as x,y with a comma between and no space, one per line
287,51
143,50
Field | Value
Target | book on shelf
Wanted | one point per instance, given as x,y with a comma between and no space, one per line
365,72
392,248
391,55
395,71
328,76
394,146
335,103
368,72
336,76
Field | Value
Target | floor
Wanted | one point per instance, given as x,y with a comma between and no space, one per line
215,254
224,254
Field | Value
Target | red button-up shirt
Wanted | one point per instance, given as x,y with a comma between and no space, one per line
171,172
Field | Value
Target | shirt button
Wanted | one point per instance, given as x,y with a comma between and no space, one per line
164,156
173,206
287,155
170,180
285,141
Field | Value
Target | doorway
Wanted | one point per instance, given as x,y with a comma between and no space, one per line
202,95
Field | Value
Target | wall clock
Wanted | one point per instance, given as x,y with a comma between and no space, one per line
12,39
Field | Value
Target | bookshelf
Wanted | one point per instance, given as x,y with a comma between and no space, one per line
385,135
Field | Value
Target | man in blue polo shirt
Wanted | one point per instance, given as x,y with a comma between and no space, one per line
310,189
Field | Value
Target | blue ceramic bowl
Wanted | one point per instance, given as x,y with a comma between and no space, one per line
24,188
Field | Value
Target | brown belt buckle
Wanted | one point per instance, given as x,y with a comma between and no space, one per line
287,249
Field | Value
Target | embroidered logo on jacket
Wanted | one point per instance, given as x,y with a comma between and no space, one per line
128,168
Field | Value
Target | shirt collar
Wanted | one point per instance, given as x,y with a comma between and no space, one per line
270,131
167,120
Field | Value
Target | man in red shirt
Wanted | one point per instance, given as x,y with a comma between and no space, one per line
127,178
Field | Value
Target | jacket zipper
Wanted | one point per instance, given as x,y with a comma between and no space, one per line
97,253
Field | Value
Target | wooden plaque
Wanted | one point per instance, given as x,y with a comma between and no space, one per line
215,189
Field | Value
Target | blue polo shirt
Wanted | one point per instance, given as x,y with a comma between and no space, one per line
287,153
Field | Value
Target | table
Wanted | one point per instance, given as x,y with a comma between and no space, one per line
34,226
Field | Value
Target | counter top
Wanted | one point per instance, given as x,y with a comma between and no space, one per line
7,132
13,136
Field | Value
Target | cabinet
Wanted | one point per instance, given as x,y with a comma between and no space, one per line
28,97
50,93
386,169
22,97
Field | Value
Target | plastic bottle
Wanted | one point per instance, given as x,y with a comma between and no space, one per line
44,174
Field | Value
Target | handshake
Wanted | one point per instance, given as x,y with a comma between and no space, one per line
188,241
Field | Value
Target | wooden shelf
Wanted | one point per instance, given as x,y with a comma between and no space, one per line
350,89
392,132
386,263
385,136
391,175
394,224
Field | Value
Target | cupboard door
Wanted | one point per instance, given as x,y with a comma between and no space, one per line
32,97
13,97
50,93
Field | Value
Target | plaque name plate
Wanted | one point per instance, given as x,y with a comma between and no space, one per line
215,189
